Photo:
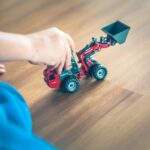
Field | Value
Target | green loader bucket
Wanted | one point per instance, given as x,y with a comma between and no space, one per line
117,31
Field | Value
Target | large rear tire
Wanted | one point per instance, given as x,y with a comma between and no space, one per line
70,84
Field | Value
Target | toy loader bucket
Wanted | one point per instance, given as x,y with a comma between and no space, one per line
117,31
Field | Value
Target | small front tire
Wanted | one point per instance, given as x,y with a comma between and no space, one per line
99,72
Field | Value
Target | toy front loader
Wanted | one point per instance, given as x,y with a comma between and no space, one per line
68,80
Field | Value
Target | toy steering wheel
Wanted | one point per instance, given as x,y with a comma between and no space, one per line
94,40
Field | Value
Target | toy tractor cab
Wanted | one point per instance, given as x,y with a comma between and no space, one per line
68,80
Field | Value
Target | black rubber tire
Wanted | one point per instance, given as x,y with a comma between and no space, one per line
98,71
70,84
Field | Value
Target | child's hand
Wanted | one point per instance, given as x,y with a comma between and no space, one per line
52,47
2,69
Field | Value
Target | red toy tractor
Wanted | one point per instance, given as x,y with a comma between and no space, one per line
68,80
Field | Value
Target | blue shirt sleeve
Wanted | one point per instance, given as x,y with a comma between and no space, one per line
16,124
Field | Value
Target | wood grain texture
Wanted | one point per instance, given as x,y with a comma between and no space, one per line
109,115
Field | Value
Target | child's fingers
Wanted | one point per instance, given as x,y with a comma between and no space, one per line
35,63
61,66
2,66
63,58
2,71
67,64
70,41
51,68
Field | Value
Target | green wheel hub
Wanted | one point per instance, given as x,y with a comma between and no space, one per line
72,85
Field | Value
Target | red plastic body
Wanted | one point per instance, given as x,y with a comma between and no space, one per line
81,56
53,83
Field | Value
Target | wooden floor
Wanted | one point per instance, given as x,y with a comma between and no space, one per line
111,115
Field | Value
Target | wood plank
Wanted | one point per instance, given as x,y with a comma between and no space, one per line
64,119
125,127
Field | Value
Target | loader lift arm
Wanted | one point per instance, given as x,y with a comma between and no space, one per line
85,54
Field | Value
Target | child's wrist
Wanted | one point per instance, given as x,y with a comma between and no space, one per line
30,51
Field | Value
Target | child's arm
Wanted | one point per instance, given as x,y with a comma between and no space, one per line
50,47
14,47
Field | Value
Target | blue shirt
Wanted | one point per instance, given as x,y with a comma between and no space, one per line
16,124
